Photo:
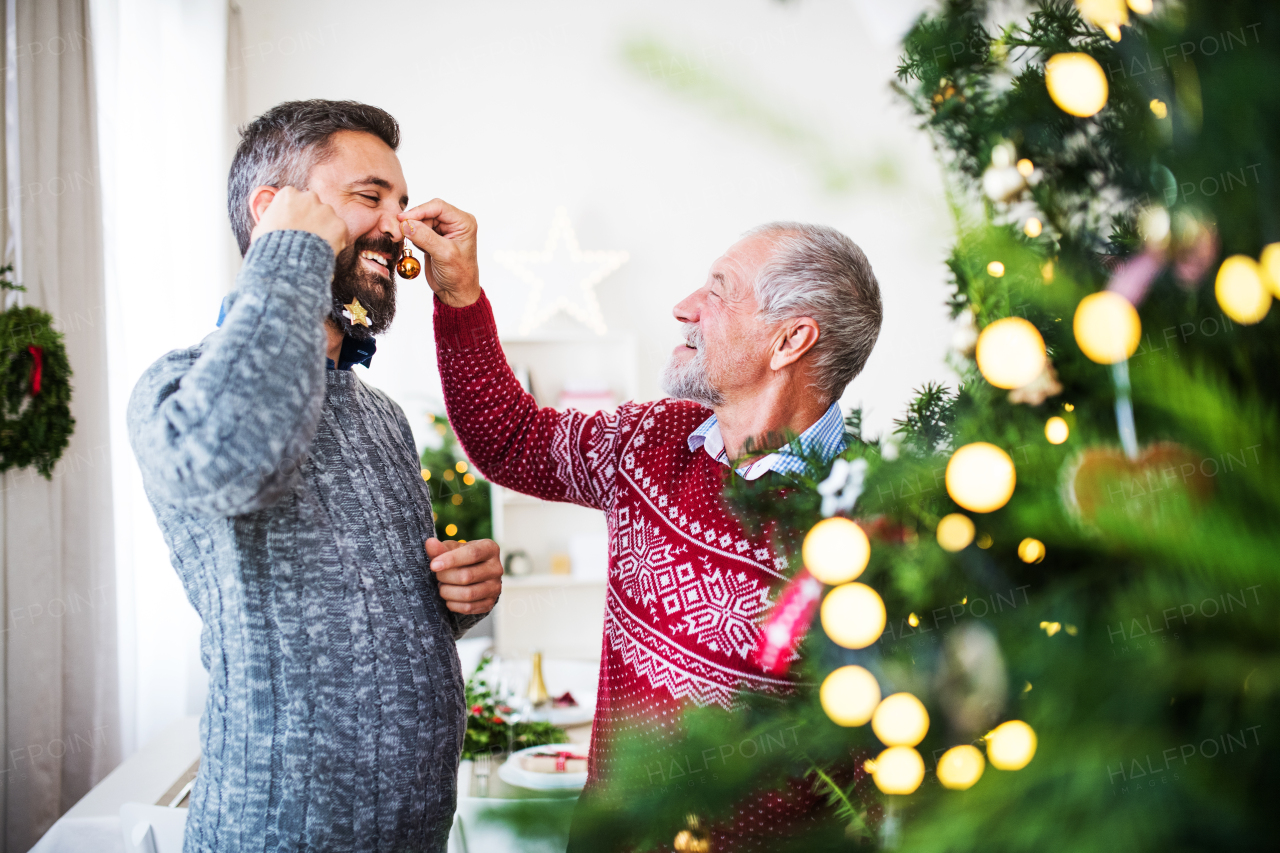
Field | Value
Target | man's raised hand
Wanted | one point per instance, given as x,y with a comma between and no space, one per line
448,237
290,209
469,574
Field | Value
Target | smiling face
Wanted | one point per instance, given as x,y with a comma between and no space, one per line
726,352
362,181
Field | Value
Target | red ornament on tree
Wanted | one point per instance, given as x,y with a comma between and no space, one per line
787,623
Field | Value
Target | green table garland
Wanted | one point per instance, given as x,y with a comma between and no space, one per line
35,388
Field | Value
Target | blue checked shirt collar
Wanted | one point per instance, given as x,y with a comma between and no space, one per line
826,436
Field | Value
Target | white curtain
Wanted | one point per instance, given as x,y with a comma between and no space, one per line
59,717
162,80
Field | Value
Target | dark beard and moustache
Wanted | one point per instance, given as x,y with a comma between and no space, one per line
690,381
377,295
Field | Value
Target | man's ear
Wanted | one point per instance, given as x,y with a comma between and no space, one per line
259,200
795,339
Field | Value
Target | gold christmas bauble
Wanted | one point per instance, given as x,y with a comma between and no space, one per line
1107,327
408,267
836,551
960,767
980,477
955,532
853,615
1011,745
1077,83
1241,291
1010,353
897,770
900,720
850,695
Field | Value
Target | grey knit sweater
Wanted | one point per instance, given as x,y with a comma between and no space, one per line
292,501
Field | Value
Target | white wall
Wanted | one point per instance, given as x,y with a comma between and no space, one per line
510,109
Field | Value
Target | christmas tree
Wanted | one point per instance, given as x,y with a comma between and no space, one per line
460,500
1053,624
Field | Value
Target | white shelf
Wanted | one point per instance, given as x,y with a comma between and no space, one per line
562,615
541,581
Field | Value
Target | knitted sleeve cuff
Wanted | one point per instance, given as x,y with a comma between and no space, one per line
464,328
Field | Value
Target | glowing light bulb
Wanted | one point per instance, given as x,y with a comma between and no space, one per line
1241,291
960,767
850,695
995,269
836,551
1056,430
1104,14
1026,167
1142,7
1010,353
980,477
1031,550
853,615
1077,83
1033,228
955,532
1107,327
426,475
897,770
1159,108
450,529
900,720
1046,272
1270,263
462,467
1011,745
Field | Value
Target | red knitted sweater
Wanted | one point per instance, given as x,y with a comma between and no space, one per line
687,586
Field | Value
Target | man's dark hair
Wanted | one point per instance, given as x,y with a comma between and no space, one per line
280,148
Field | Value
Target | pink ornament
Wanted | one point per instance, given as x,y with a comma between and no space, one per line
787,623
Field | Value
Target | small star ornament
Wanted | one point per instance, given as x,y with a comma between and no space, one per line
356,313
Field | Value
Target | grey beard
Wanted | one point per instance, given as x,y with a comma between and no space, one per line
691,382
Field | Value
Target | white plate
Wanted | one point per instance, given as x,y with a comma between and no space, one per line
513,774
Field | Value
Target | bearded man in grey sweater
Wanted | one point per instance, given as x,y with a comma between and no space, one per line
291,498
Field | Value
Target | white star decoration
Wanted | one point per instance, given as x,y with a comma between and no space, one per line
562,278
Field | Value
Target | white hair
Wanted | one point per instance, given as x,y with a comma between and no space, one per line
817,272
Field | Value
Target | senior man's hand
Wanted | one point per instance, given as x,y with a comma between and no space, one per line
448,236
470,574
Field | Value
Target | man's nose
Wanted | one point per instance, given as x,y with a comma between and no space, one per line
390,226
687,309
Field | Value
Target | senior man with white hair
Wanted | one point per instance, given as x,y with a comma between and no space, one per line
785,320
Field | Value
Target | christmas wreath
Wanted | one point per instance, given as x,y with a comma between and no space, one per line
35,388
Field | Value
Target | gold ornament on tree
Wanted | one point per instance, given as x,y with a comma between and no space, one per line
693,838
